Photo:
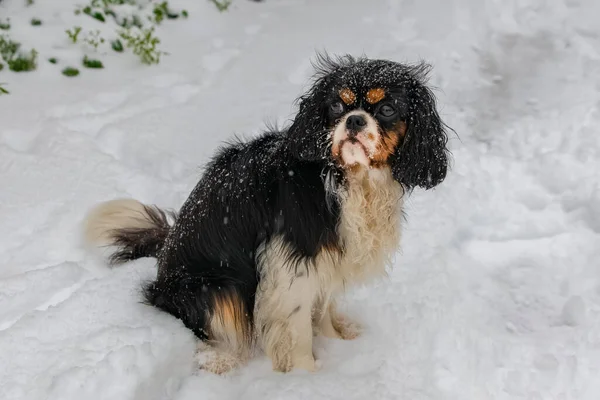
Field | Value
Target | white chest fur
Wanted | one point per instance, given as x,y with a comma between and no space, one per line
369,229
369,225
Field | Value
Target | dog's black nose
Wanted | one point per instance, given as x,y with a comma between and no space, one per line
355,123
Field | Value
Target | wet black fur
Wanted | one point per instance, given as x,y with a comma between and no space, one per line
274,186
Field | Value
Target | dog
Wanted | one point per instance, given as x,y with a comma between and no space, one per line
279,226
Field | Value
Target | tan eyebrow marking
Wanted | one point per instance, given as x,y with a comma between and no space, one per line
347,96
375,95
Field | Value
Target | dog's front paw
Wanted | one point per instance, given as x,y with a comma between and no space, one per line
282,363
346,328
307,363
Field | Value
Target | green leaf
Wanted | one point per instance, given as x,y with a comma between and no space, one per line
117,46
36,22
95,64
52,60
70,72
99,16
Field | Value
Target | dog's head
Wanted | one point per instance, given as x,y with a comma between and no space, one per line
373,114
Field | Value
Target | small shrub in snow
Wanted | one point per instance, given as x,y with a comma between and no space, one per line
93,39
5,25
143,43
222,5
8,48
23,62
36,22
161,11
73,33
17,61
3,90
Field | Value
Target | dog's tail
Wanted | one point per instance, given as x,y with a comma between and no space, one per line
135,229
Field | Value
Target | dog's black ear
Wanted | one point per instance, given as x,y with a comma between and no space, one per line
422,157
308,134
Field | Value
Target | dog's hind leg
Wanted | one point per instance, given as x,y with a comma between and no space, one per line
338,326
216,313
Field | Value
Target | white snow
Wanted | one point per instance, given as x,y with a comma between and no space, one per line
496,293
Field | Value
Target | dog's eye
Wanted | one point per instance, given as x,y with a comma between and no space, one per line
337,108
386,111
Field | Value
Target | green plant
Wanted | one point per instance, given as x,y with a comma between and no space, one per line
184,13
74,33
8,48
89,63
1,66
110,12
23,62
2,89
98,15
52,60
17,62
117,46
36,22
5,25
222,5
144,44
106,3
135,21
28,3
93,39
161,11
87,10
70,72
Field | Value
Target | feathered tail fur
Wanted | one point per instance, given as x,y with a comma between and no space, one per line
135,229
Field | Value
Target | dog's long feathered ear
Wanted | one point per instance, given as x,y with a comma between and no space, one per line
308,133
422,158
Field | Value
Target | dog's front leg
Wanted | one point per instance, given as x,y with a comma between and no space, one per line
284,304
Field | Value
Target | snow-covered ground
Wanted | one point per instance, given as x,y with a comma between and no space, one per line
496,293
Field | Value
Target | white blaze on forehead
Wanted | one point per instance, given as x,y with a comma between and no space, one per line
354,153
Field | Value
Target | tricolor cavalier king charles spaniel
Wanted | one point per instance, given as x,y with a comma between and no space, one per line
280,225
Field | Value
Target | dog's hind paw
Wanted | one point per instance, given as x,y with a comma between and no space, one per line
347,329
215,361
